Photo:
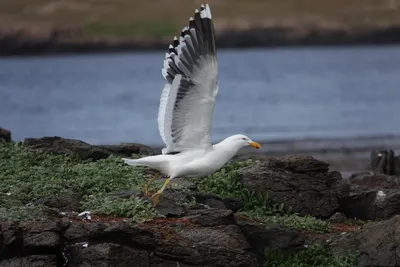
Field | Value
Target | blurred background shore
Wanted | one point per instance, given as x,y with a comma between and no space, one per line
328,88
71,26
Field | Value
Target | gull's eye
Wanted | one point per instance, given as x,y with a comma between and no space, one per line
244,139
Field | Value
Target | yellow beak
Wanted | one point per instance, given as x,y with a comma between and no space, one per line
255,144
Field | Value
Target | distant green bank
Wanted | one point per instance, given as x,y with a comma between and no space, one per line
48,27
100,38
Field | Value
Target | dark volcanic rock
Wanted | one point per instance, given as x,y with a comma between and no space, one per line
59,145
41,237
338,217
370,197
106,255
302,183
385,162
5,135
214,201
160,262
11,240
261,236
170,208
368,181
31,261
210,217
172,202
206,256
380,243
63,203
360,204
127,149
29,238
343,242
176,241
228,236
377,242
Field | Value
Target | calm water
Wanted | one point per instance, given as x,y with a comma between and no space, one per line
267,94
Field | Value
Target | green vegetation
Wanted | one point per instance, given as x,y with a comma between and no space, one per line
27,176
133,207
226,183
311,256
143,28
13,209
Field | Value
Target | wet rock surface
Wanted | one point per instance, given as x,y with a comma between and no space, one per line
303,183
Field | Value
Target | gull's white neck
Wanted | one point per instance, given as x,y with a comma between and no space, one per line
226,149
210,161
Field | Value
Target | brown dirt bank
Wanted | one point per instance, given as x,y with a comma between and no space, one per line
46,27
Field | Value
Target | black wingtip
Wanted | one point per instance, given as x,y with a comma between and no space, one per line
185,31
176,42
171,49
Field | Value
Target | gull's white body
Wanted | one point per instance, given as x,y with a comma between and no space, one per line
187,106
193,163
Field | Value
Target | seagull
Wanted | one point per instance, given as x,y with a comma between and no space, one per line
187,107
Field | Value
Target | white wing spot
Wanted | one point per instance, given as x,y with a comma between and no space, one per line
380,197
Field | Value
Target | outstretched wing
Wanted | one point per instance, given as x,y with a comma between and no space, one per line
187,100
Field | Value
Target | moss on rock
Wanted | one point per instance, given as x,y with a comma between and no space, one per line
311,256
227,183
28,176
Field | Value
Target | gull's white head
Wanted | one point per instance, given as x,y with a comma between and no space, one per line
241,140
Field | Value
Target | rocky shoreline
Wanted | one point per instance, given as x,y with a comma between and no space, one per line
64,41
281,211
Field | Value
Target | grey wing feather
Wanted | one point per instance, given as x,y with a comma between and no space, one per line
188,98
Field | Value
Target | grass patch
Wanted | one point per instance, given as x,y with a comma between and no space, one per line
20,213
227,183
295,221
14,210
132,207
312,256
27,176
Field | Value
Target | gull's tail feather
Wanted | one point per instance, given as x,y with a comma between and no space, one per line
134,162
158,162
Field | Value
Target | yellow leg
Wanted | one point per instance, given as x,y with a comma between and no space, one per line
156,196
147,185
